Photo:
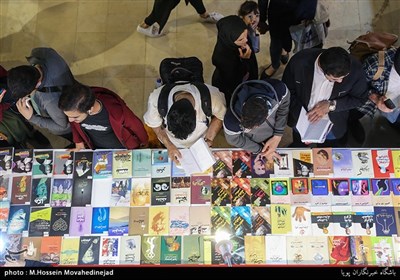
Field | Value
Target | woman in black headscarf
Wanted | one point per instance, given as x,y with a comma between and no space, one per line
234,59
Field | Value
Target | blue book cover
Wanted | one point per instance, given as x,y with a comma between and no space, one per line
100,219
102,164
385,221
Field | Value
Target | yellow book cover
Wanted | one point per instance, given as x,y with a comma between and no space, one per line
255,249
69,250
361,250
396,162
208,240
158,220
281,222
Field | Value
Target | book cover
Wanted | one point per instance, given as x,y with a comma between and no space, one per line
301,193
13,243
69,254
61,194
192,249
200,189
275,249
150,250
178,171
171,249
220,191
160,191
42,163
121,192
261,167
141,192
382,251
296,250
22,161
39,221
284,166
180,191
280,191
141,163
260,191
364,220
89,250
396,162
360,249
240,191
130,250
381,192
301,220
100,220
59,221
50,249
63,163
382,163
31,247
119,221
6,160
160,163
339,248
81,192
139,220
220,219
18,219
313,132
303,165
83,165
40,195
5,188
236,256
179,220
342,162
321,194
343,220
385,221
198,158
81,221
254,249
241,163
362,164
322,221
122,166
222,167
360,192
395,191
317,252
200,219
101,192
110,249
159,220
21,189
4,215
261,220
281,222
241,220
102,164
396,249
323,163
340,191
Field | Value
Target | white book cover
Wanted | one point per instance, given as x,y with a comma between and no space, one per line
342,163
275,249
361,194
198,158
364,221
301,220
396,249
284,166
343,220
109,250
321,193
362,163
317,250
101,192
322,221
340,188
130,250
179,220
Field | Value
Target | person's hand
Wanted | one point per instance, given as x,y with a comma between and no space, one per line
2,93
319,111
24,108
263,27
298,214
245,52
78,147
380,102
174,154
269,149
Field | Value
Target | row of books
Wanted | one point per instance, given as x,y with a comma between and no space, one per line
198,249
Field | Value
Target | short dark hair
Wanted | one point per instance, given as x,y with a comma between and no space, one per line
76,97
335,61
255,111
181,118
247,7
22,80
323,153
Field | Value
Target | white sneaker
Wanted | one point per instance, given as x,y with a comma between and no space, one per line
151,31
213,17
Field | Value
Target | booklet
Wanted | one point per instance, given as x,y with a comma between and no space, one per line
198,158
313,132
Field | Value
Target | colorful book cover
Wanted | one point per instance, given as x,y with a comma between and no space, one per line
261,167
100,220
236,256
296,250
141,192
382,251
59,222
261,220
222,168
50,249
362,164
323,163
31,247
83,165
63,164
180,190
119,221
39,221
317,252
13,243
241,163
69,250
89,250
5,188
364,220
160,191
382,163
121,192
360,192
21,189
102,164
301,220
179,220
281,222
284,166
342,162
301,193
81,192
139,220
395,193
192,249
339,248
321,195
6,160
122,165
220,191
260,192
42,163
275,249
141,163
22,161
130,250
61,194
396,162
200,189
254,249
40,195
343,224
340,191
18,219
240,191
160,164
241,220
159,220
110,248
220,219
101,192
150,250
385,221
177,170
322,221
81,221
200,219
360,248
4,215
381,195
171,249
303,165
280,191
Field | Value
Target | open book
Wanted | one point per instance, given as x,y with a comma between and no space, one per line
198,158
313,132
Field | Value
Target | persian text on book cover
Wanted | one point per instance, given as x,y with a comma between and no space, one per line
237,256
39,221
141,163
382,251
81,192
179,220
339,248
222,168
303,165
280,190
260,191
200,189
18,219
362,164
101,192
13,243
296,250
160,163
200,219
322,221
180,190
323,162
119,221
102,164
381,194
385,221
317,252
6,160
360,192
69,250
301,220
396,162
21,189
110,249
382,163
130,249
141,192
22,161
240,220
343,224
160,191
40,195
192,249
300,191
342,163
340,191
275,249
120,192
221,191
63,164
50,249
42,163
364,220
240,191
321,194
158,220
255,249
241,163
171,249
220,219
150,250
139,220
60,220
284,167
261,167
31,247
83,164
261,220
100,220
361,250
122,164
396,249
81,221
89,250
281,222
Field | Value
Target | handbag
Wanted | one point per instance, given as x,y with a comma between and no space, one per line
307,36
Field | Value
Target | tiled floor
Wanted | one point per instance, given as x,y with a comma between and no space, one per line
98,39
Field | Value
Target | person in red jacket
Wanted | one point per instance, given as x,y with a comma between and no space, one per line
100,119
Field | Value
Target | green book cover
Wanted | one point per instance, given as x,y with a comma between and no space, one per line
171,247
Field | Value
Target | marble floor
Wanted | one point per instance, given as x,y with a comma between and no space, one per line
98,39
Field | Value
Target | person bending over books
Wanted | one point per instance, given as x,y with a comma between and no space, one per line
327,83
100,119
185,121
257,115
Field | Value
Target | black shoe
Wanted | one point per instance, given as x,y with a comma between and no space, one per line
285,58
357,131
264,74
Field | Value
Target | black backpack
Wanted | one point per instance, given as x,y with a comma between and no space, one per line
179,71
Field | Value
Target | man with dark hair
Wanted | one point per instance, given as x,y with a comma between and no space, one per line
185,121
100,119
328,83
37,87
257,116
